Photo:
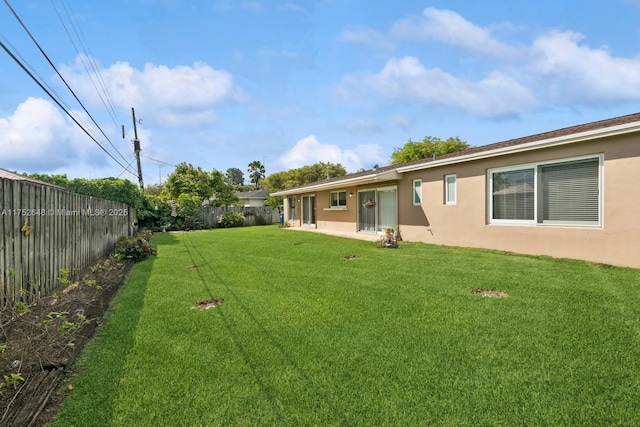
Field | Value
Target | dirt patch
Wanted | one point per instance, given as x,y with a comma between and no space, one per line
489,293
43,342
350,257
193,266
208,303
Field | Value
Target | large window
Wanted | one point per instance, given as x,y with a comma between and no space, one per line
417,192
338,199
450,189
564,192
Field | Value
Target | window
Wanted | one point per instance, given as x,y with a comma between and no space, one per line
417,192
450,189
292,209
338,199
565,192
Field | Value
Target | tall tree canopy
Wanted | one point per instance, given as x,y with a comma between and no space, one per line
304,175
428,147
256,172
295,177
234,176
186,179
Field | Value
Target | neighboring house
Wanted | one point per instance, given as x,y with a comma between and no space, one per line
253,198
571,193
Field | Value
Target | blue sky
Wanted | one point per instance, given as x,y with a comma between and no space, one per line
220,84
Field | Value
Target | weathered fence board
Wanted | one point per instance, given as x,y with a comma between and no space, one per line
46,229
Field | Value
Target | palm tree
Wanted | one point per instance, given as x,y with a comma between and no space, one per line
256,172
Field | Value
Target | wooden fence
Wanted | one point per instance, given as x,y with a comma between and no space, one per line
45,230
255,215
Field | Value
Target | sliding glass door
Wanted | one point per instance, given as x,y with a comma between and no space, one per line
387,209
377,209
309,210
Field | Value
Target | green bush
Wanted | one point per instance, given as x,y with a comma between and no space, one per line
136,248
230,219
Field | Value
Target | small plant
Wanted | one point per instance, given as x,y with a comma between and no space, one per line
12,379
90,283
21,307
3,348
96,269
63,278
230,219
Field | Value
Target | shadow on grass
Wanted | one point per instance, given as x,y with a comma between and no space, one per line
198,258
102,361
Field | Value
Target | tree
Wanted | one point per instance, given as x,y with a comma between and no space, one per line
59,180
296,177
256,172
224,193
186,179
189,208
153,189
304,175
428,147
234,176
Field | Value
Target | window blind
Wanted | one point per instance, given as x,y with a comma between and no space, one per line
570,192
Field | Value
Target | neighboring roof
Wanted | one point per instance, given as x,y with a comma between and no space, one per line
17,177
253,194
615,126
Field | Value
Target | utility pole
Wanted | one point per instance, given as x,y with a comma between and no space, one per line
136,148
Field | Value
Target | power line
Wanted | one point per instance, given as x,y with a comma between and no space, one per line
24,68
108,104
62,78
159,161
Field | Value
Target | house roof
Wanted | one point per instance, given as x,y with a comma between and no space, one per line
615,126
253,194
17,177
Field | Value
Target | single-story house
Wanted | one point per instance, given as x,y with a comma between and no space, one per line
572,193
252,198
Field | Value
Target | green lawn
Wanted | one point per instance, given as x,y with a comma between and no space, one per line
393,337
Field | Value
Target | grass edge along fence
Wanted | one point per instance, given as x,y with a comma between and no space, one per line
47,232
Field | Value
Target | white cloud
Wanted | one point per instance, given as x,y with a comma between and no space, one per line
449,27
36,135
499,79
574,72
367,36
407,80
308,151
182,96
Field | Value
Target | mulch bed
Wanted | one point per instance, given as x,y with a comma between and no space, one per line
42,343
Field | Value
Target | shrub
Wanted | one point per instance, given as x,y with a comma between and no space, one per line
230,219
136,248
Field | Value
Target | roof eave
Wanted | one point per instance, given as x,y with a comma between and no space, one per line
389,175
534,145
